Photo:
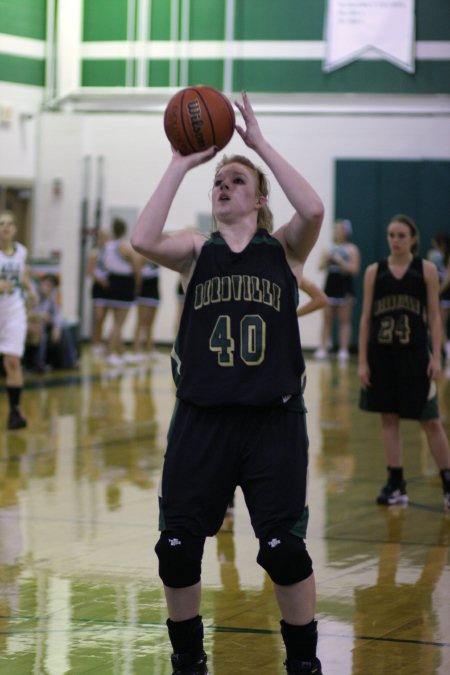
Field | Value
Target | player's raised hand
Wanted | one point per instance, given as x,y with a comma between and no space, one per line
194,159
251,135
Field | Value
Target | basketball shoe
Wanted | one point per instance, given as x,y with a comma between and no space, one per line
294,667
393,494
16,420
184,664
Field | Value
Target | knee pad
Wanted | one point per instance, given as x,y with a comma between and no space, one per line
285,558
180,558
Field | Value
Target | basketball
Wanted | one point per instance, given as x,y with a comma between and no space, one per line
197,118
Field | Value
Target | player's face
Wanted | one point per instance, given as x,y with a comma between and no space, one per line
46,287
400,238
340,235
234,192
7,228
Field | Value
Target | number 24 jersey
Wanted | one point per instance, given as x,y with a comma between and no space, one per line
399,307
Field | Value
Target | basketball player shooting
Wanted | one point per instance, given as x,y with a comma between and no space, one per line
238,364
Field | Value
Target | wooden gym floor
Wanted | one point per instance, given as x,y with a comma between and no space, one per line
79,591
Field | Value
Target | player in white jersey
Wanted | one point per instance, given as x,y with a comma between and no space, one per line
14,280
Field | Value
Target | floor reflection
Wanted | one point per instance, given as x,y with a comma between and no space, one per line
406,604
79,591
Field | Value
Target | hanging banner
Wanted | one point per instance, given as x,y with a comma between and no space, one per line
356,28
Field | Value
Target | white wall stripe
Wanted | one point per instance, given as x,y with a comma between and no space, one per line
229,34
439,51
174,26
143,37
172,49
304,50
18,46
131,14
50,51
185,13
68,40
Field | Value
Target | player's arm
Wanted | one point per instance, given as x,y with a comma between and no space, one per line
91,263
364,325
175,251
29,286
318,297
5,285
434,318
136,260
300,234
324,260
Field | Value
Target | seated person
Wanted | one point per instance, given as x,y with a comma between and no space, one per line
49,342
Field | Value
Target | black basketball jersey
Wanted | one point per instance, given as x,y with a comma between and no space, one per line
239,341
399,308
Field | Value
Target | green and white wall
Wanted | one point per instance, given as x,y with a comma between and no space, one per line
22,79
23,34
259,45
91,78
255,44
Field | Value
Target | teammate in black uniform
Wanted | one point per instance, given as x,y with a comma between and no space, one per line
239,417
396,369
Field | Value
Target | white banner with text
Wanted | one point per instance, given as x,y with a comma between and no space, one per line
369,29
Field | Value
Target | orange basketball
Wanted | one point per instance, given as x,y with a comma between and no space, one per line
197,118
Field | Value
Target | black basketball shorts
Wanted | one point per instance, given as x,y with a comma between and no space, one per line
211,450
400,383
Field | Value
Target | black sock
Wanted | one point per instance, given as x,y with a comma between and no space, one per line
14,397
186,636
395,475
445,477
31,356
300,641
